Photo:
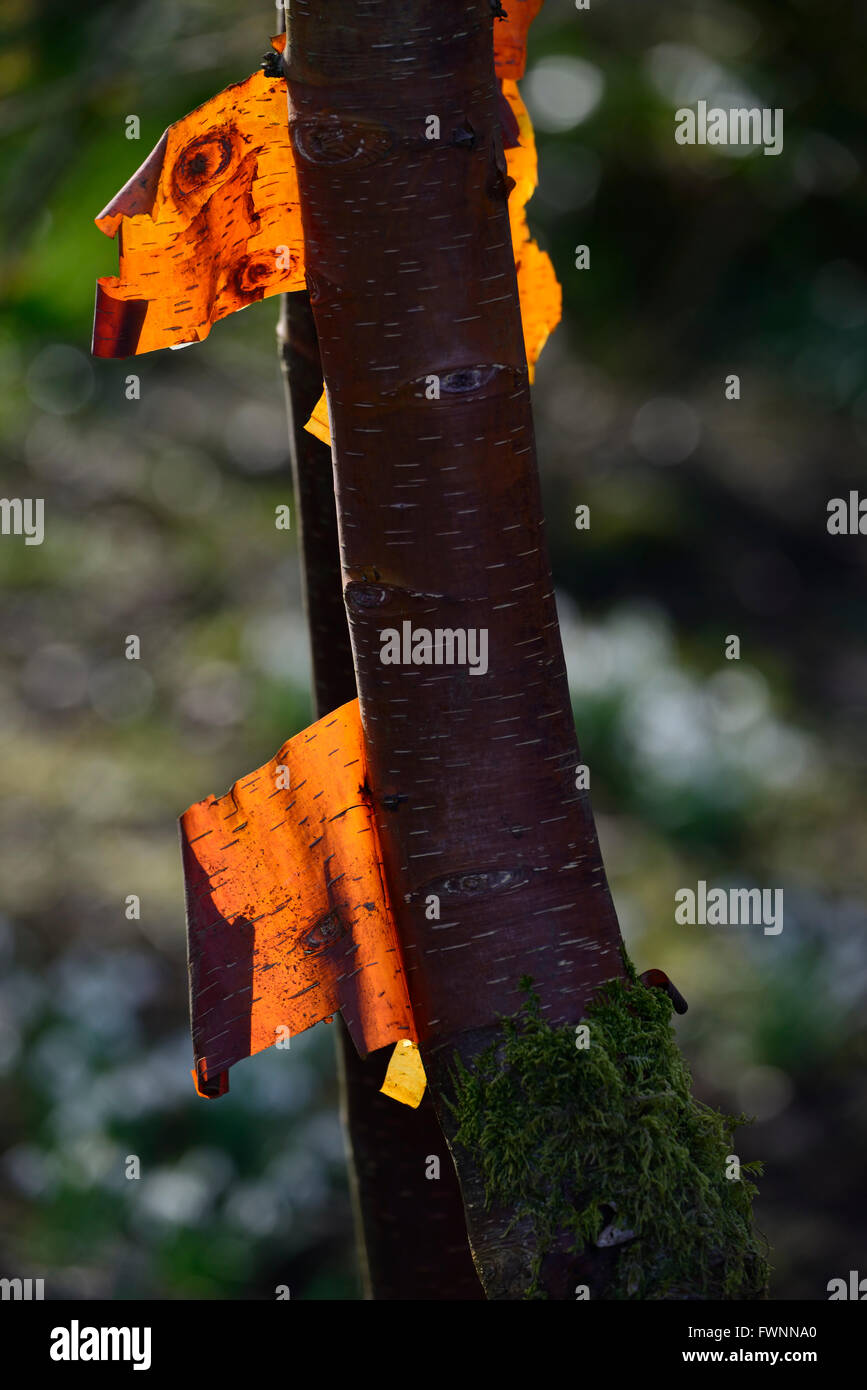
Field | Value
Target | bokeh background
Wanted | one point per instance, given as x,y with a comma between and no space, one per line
708,518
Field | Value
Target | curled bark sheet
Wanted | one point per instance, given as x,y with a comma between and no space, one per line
209,224
288,919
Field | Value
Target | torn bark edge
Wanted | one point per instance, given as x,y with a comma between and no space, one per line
211,1087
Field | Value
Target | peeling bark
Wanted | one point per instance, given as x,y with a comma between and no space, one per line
473,776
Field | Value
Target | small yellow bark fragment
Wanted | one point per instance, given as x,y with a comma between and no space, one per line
405,1079
318,422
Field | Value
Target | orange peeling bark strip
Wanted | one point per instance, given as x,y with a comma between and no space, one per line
287,915
209,224
510,37
539,290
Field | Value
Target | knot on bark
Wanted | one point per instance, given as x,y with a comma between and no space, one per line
331,140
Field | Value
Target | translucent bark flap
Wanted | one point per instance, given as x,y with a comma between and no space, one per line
209,224
287,915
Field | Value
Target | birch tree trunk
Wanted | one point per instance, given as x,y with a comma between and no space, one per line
473,773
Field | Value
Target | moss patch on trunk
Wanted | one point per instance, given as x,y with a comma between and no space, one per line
606,1140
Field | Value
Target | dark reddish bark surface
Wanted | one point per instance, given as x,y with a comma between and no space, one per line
473,776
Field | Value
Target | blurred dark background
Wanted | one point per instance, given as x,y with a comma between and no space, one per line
708,518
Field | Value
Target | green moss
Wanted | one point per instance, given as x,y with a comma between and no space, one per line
576,1140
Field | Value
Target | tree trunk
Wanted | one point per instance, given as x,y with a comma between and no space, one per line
473,774
410,1231
594,1166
